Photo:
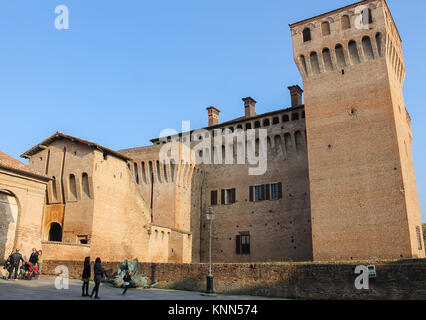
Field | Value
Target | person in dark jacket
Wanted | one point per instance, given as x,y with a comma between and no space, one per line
126,281
86,277
34,257
14,260
99,274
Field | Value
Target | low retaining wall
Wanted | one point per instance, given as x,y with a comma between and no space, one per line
307,281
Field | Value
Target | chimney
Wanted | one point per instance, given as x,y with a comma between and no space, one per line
213,115
296,94
249,106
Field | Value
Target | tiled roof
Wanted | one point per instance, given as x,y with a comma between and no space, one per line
60,135
9,163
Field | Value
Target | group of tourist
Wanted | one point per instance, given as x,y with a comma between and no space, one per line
99,274
15,259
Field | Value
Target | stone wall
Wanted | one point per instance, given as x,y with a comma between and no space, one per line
405,280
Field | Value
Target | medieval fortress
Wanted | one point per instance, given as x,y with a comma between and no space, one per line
337,182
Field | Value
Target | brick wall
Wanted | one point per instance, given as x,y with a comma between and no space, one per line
308,281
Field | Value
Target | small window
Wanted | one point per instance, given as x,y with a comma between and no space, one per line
213,198
228,196
295,116
85,183
248,126
259,193
275,120
84,239
367,17
346,22
286,118
257,124
306,35
341,61
266,122
276,191
243,244
73,186
325,28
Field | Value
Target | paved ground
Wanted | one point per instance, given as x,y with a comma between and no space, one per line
44,289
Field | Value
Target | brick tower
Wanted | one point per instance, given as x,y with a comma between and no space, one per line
363,191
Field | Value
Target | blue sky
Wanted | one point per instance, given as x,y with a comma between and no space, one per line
128,69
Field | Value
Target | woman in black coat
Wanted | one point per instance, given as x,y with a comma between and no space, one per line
99,274
86,277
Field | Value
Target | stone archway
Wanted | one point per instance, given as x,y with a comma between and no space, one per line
55,232
9,213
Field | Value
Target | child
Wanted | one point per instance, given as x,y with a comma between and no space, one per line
126,281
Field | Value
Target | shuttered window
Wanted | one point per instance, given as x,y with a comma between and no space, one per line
243,244
228,196
214,198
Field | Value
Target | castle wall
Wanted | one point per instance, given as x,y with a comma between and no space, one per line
21,213
358,205
279,230
121,219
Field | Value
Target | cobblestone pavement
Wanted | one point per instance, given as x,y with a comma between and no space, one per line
44,289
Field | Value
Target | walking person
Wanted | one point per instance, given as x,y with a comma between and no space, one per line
99,274
86,277
14,259
40,261
126,281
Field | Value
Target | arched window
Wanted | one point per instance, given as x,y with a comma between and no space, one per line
368,48
54,190
266,123
286,118
327,59
257,147
315,63
306,35
136,173
299,140
55,232
143,172
172,170
166,179
379,41
158,171
248,126
85,184
278,146
295,116
353,51
151,172
367,17
341,61
325,28
275,120
304,66
346,22
287,140
257,124
73,187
